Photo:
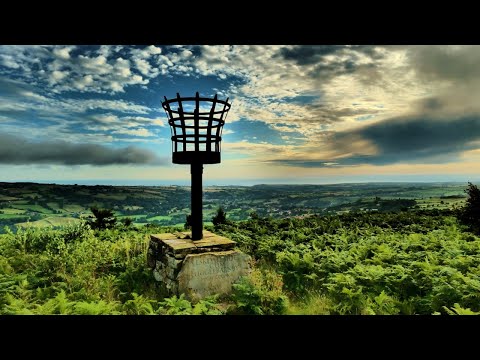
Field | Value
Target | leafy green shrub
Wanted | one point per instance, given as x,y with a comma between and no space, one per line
260,293
313,303
181,306
405,263
298,270
99,307
140,305
458,310
75,270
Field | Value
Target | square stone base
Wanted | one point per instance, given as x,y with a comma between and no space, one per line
196,268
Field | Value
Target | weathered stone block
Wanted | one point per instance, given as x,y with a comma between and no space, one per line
211,273
196,268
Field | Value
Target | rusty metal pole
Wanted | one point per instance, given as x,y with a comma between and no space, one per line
196,170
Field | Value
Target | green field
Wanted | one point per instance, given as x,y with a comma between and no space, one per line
131,216
160,217
50,221
7,198
30,195
12,211
36,208
440,203
169,205
111,196
132,207
53,205
20,202
74,208
13,216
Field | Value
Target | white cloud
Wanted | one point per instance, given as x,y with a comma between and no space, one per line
132,121
146,52
145,68
62,69
8,61
80,106
142,132
63,53
57,76
106,118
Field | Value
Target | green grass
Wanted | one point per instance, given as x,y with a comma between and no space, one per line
111,196
37,224
312,304
20,202
30,195
62,221
35,208
439,203
13,216
7,198
74,208
132,216
160,217
50,221
12,211
97,204
53,205
132,207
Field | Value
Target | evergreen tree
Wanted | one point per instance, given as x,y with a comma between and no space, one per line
220,218
127,222
188,222
103,218
470,214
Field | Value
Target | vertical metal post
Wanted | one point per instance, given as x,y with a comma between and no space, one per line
196,170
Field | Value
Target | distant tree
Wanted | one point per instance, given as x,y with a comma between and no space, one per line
127,222
254,215
188,222
470,213
220,218
102,219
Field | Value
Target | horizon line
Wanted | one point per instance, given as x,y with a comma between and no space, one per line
109,183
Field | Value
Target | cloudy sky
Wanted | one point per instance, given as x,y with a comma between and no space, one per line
300,114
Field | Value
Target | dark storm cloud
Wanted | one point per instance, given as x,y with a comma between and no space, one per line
421,137
347,63
17,151
446,62
325,114
309,54
417,139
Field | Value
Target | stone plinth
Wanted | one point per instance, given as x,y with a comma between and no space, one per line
196,268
